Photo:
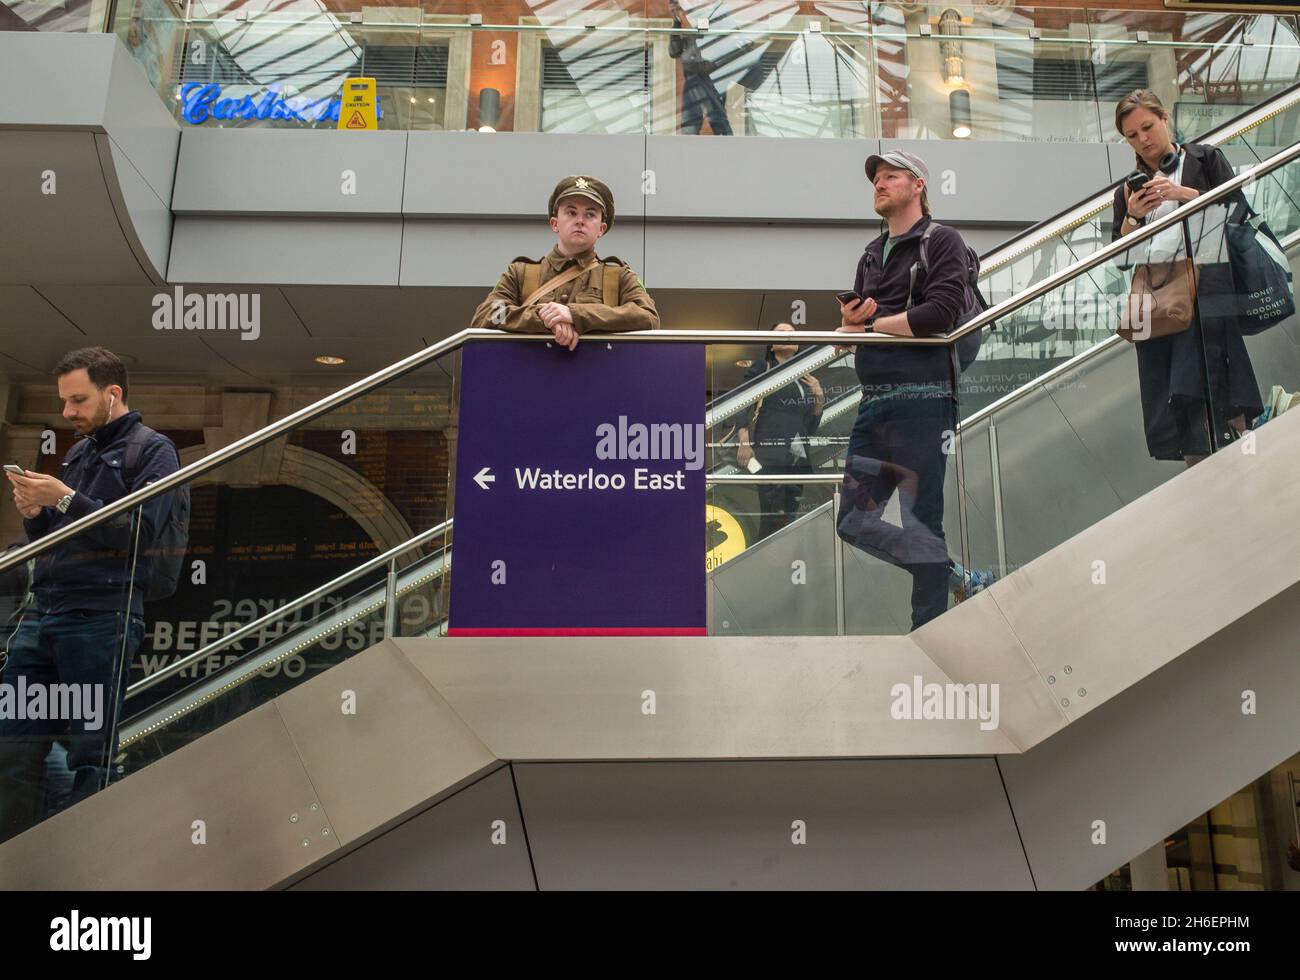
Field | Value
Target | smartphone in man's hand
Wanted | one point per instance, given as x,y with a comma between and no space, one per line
848,297
15,469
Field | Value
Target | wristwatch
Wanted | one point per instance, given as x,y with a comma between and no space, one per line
65,502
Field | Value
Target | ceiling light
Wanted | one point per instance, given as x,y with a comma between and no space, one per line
959,112
330,359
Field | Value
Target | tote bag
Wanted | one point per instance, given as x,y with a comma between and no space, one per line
1261,274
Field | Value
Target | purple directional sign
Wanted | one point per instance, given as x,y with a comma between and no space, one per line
580,491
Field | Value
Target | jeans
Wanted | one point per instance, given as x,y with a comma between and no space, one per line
82,653
899,445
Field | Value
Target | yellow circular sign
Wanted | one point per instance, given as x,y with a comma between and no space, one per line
725,539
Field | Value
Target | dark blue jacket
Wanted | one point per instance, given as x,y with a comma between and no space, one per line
89,572
939,301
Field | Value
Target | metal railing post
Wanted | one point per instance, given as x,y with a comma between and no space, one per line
838,544
390,600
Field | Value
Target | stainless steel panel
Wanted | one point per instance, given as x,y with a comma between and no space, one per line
758,586
401,748
1103,409
145,218
69,236
981,527
1275,354
456,844
1164,751
801,258
245,782
139,122
1051,486
512,174
932,823
813,180
1177,568
69,67
467,252
877,595
246,172
967,175
1026,701
325,252
714,697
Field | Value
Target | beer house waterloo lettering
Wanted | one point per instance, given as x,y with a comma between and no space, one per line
580,491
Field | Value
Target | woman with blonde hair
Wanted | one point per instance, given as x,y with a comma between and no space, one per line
1170,374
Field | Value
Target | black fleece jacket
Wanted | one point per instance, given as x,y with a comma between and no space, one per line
939,298
89,572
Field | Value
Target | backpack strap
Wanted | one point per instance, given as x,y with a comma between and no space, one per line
923,264
532,277
77,449
609,284
136,443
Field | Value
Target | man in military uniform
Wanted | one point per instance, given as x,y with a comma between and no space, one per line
571,291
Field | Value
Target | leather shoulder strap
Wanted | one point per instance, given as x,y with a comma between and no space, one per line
609,288
532,275
557,282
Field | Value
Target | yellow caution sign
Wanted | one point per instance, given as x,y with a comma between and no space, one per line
357,111
725,541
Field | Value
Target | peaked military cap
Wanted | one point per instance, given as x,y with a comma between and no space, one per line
577,185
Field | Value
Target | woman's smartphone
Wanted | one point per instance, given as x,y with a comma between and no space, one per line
849,297
1136,181
15,469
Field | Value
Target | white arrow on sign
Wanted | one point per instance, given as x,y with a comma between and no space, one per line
483,477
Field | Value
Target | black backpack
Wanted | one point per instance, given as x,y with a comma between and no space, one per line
167,553
974,303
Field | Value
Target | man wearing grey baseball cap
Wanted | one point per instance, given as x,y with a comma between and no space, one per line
916,280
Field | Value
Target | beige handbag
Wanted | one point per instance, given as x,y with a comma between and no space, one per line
1161,301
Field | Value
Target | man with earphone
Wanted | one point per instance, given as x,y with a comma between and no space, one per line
85,617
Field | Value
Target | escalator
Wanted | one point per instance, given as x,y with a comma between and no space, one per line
1095,676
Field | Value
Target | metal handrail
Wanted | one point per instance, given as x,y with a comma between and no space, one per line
407,364
457,340
1026,241
379,561
825,477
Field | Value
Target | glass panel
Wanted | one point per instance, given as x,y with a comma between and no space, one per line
1205,67
284,521
1004,74
1132,415
153,31
75,16
896,513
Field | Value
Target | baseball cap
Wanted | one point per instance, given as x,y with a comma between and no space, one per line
901,159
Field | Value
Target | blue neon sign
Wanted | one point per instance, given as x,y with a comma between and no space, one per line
201,101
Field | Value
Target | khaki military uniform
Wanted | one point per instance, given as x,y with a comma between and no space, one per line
586,296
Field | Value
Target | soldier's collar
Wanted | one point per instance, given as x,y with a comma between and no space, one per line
558,261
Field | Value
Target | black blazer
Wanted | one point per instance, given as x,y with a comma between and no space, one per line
1204,168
